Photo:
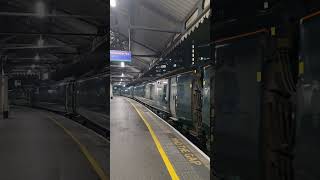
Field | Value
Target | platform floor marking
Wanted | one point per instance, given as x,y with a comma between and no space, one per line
163,154
186,152
95,165
182,136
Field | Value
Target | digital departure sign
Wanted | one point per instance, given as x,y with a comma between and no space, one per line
120,56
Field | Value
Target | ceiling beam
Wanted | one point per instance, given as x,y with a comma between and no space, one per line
46,53
31,63
22,58
52,34
122,77
92,23
136,42
145,28
145,55
126,66
20,14
35,47
156,10
126,72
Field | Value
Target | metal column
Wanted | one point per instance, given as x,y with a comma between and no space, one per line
111,91
4,105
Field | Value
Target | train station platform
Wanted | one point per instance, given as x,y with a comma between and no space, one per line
144,147
38,145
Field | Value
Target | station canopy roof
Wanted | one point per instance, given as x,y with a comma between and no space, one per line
39,36
151,25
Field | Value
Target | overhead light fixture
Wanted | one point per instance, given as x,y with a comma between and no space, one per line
122,75
40,42
113,3
37,57
40,9
121,80
122,64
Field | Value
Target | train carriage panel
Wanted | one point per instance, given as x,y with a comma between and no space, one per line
156,94
237,114
51,97
92,100
161,96
173,96
70,97
139,91
207,105
148,89
307,158
184,99
128,92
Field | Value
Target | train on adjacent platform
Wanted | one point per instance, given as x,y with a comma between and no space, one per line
87,97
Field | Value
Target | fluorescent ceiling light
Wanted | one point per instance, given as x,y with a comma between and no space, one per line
122,75
122,64
113,3
40,9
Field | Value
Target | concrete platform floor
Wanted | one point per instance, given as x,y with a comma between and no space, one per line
39,145
135,155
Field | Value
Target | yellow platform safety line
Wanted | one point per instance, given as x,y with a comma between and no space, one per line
259,76
301,68
163,154
95,165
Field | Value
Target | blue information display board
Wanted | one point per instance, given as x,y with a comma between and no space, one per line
120,56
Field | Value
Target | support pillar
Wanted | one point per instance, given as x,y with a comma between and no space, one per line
111,91
4,105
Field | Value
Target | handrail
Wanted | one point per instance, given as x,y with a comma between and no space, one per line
241,35
309,16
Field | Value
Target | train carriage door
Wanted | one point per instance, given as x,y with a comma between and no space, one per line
67,97
173,96
147,91
74,95
164,92
211,99
152,91
196,104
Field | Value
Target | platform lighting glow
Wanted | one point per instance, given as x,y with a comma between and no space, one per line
40,9
40,42
113,3
37,57
33,66
121,80
122,64
122,75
